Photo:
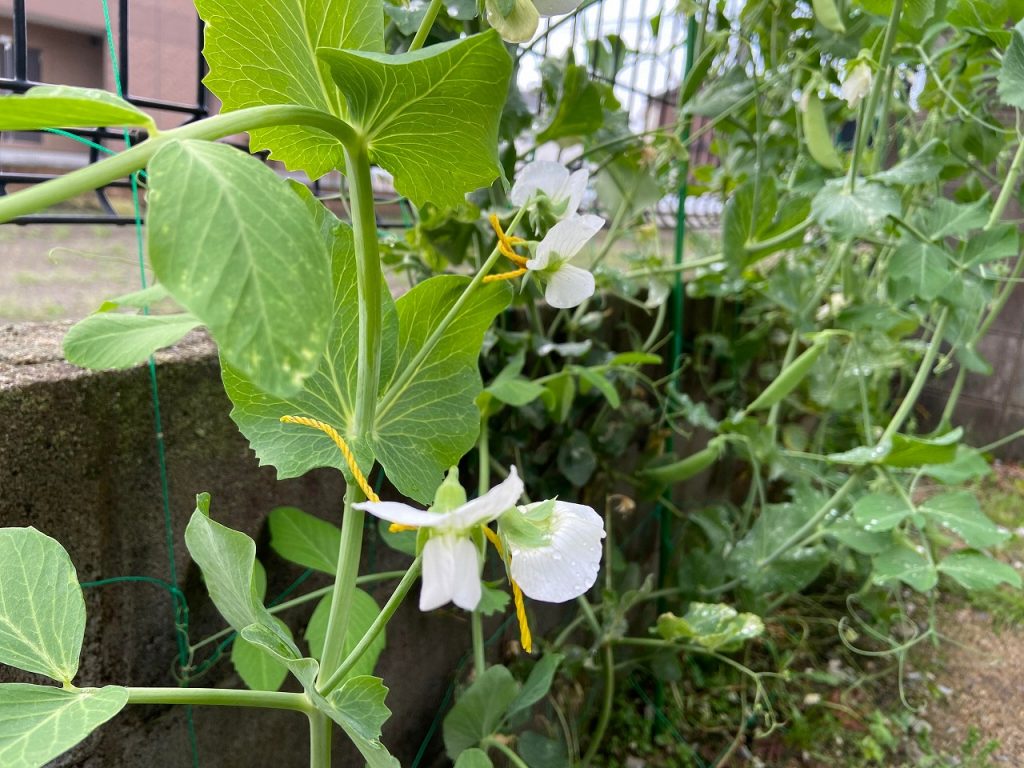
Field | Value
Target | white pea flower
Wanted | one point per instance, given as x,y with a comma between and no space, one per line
563,190
554,548
566,286
451,560
521,24
857,84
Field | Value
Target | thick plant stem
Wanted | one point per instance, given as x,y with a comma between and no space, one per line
483,485
405,375
221,697
606,706
871,108
426,25
377,626
369,283
319,740
41,196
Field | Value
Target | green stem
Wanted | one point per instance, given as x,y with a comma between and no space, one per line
606,706
865,128
479,657
221,697
319,740
376,627
425,25
405,375
756,246
505,749
483,485
369,283
41,196
925,369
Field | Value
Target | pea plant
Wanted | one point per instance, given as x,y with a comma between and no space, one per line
323,366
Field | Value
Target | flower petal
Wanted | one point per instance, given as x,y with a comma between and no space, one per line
485,508
574,189
565,239
555,7
539,176
466,580
519,26
567,566
439,563
569,287
395,512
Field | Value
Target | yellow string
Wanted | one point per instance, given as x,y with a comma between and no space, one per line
507,243
332,433
525,636
505,275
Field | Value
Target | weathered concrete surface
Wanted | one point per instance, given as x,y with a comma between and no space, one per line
78,460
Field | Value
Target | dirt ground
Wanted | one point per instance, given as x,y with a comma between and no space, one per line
64,272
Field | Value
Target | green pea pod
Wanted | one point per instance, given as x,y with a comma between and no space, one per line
816,134
684,469
827,14
789,378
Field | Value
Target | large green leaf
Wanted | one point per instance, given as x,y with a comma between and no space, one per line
431,116
974,570
902,562
264,52
238,249
913,451
715,626
363,612
480,710
880,511
924,165
358,707
852,214
919,270
960,512
789,572
537,684
227,559
426,424
259,670
304,539
329,394
42,612
580,108
39,723
109,340
64,106
474,758
1011,75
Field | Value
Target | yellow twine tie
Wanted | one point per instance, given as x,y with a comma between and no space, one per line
332,433
399,527
506,275
507,243
525,636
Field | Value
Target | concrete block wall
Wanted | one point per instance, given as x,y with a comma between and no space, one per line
78,461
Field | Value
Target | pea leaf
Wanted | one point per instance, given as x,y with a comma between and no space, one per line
913,451
364,611
714,626
329,393
474,758
857,537
580,108
259,670
110,340
960,512
65,106
479,711
919,270
227,559
265,53
304,539
973,570
968,464
430,117
924,165
425,425
358,707
901,562
38,723
537,684
880,511
861,212
223,232
1011,74
42,612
